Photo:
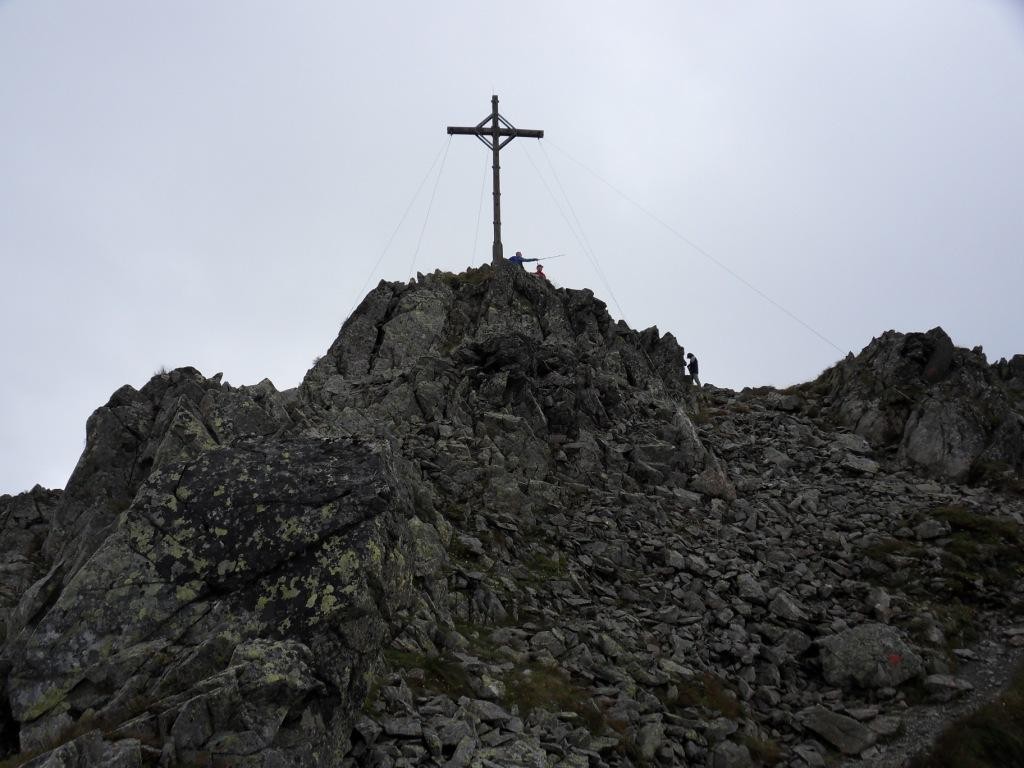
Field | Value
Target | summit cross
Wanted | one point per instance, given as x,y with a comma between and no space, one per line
496,135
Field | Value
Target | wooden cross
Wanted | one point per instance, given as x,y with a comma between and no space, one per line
499,133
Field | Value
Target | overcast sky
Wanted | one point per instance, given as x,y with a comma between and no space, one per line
211,183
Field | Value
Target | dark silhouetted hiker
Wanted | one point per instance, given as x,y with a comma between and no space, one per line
519,259
693,368
540,272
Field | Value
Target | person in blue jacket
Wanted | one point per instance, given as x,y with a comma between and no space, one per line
519,259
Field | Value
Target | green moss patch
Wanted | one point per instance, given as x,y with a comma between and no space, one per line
439,674
982,559
543,567
982,552
999,475
707,691
550,689
764,751
990,530
885,548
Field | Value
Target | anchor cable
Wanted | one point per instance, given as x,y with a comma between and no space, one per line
401,221
583,232
583,247
698,249
584,242
430,205
479,209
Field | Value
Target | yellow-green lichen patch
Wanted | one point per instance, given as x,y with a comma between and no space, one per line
322,604
284,588
291,591
50,695
376,553
186,593
328,602
311,584
140,536
306,527
257,538
342,565
173,548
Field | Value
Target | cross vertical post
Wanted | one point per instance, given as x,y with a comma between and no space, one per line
495,136
497,252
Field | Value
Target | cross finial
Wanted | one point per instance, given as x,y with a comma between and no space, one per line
496,135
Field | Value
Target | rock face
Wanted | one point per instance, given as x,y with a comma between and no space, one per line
238,592
943,408
494,527
235,605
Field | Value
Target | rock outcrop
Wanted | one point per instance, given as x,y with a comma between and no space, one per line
24,525
943,408
526,378
494,527
210,586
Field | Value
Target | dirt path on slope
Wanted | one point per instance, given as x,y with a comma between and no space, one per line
990,671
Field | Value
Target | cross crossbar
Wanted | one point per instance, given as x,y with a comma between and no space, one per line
495,136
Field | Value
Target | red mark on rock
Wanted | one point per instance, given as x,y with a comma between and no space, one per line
895,659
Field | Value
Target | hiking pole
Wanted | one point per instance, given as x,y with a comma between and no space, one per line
546,258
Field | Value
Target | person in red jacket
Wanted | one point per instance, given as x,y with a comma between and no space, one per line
540,272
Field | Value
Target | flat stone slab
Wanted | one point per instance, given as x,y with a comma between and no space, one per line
842,732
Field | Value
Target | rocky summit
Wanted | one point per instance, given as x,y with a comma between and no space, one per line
493,527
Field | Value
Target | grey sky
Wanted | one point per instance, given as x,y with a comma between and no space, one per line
209,183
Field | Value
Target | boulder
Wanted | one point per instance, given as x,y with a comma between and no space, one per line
870,656
844,733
